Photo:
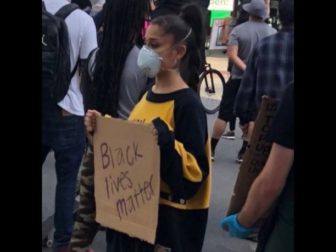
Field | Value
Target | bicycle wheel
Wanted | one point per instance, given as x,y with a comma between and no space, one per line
210,90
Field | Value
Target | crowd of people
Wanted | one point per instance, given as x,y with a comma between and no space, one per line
140,60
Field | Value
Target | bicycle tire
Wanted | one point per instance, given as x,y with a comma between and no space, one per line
211,100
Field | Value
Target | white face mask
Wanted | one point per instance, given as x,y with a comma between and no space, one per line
149,62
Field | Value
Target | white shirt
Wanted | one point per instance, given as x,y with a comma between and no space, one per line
83,39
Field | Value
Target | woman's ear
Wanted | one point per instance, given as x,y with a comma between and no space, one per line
181,51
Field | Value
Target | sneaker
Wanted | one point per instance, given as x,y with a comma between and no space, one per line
240,155
239,159
229,135
212,158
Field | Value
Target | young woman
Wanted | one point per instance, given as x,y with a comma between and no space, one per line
173,106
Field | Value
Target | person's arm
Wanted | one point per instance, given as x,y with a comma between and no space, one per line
233,50
226,30
263,192
270,182
233,56
184,162
267,186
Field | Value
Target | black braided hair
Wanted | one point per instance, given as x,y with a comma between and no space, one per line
123,21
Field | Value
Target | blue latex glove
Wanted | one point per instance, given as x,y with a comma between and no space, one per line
235,229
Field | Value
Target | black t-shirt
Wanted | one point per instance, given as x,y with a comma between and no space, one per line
283,124
282,133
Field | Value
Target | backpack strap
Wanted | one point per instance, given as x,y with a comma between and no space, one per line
90,58
62,13
66,10
91,62
74,70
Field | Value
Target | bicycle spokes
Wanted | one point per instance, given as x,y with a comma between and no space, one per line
211,90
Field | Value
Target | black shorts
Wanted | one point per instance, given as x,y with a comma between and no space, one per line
228,99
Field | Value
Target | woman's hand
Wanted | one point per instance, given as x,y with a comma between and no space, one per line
90,122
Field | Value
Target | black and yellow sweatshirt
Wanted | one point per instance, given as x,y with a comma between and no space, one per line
185,178
185,166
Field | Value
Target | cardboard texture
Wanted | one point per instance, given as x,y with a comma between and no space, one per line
127,177
255,156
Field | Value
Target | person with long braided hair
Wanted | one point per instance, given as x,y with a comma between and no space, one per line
112,83
173,106
115,68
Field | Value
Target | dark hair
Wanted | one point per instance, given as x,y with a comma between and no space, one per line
82,3
286,12
243,15
98,18
189,19
123,21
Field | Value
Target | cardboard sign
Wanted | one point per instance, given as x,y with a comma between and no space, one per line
255,156
127,177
